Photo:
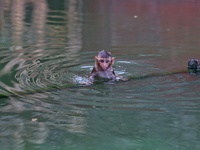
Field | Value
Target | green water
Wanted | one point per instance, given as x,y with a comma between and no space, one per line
47,51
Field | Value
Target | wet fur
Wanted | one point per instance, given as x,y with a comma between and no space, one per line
98,72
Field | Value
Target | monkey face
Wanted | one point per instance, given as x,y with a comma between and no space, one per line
193,64
104,63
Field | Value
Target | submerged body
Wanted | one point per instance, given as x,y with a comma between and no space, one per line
109,75
103,67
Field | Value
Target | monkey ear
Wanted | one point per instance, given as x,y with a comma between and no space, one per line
96,58
113,60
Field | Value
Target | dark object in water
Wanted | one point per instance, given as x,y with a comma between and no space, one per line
193,65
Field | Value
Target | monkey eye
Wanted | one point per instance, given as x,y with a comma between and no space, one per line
101,61
107,61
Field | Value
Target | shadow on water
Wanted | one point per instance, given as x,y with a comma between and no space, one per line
47,50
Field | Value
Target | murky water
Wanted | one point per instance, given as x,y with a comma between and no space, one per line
47,51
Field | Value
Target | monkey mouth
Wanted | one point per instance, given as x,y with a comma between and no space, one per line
104,69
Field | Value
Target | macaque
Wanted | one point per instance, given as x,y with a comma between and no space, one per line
103,67
194,64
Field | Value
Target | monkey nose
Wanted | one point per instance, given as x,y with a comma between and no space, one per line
104,66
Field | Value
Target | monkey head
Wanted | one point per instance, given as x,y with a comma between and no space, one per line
104,60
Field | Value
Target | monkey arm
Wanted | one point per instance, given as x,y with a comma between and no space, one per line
92,74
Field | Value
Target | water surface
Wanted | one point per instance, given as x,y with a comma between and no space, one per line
47,51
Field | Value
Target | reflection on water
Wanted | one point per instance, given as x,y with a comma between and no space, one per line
47,50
